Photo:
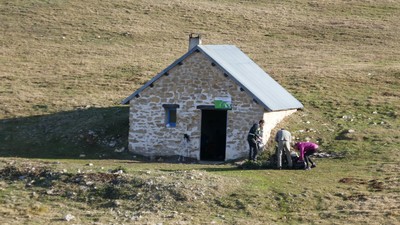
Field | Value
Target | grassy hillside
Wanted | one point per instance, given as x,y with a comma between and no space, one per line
66,65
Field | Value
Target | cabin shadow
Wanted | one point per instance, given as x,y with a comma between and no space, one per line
92,133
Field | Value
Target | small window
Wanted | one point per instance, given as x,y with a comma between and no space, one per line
170,114
171,117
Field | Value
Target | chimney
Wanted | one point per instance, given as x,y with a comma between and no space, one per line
194,40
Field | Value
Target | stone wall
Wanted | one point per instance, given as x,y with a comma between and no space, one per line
195,82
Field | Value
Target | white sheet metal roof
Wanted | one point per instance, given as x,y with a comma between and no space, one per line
245,72
251,77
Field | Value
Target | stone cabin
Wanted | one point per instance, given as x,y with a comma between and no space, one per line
203,105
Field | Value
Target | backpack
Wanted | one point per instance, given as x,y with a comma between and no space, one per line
297,163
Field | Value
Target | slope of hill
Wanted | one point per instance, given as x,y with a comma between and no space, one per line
66,65
339,58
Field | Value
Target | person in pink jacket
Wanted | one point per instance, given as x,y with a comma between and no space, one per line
306,149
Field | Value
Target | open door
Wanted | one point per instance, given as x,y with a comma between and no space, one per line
213,135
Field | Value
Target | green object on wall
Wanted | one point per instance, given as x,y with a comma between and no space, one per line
220,104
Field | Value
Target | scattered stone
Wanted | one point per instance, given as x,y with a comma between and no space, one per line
120,149
34,195
70,194
29,184
112,144
311,130
160,195
326,155
115,203
69,217
126,34
119,172
135,218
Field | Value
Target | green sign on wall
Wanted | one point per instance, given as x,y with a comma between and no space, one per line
223,103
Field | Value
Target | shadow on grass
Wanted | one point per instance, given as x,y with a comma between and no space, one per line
92,133
208,169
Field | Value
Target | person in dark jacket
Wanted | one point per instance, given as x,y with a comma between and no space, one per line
255,134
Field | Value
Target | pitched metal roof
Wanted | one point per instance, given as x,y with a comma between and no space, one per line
245,72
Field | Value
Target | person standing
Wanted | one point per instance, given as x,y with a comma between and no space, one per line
306,149
283,138
255,134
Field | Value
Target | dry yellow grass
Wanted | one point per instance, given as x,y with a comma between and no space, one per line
59,55
340,58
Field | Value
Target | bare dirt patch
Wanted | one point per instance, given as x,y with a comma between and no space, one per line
374,200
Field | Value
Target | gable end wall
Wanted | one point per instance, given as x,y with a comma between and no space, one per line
195,82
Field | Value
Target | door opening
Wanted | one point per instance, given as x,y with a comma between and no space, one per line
213,135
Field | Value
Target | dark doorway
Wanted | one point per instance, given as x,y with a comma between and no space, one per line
213,135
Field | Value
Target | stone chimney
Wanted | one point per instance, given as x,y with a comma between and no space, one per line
194,40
